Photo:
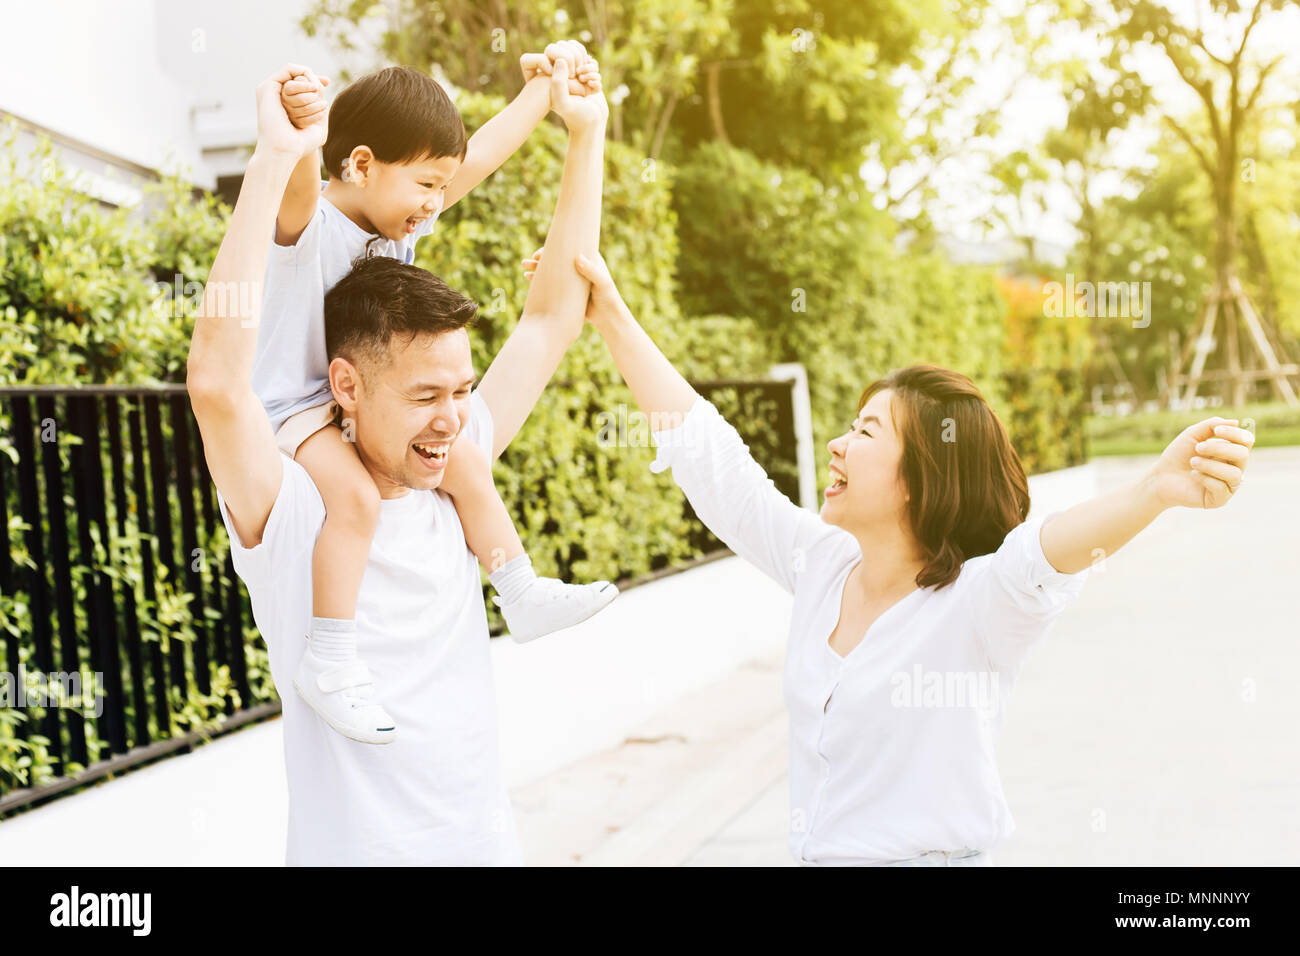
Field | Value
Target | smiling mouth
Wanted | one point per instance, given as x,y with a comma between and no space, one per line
432,451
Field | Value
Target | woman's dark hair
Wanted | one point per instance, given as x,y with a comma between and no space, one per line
967,486
381,298
401,114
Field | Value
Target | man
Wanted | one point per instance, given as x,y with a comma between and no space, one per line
434,795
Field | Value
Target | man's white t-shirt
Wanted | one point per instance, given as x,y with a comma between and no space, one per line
434,795
290,369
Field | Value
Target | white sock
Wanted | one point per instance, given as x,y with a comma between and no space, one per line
334,639
513,578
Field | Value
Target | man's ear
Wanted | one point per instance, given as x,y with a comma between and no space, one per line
345,383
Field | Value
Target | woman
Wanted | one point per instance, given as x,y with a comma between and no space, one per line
918,590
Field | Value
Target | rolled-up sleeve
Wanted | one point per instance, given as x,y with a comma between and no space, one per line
1020,594
733,496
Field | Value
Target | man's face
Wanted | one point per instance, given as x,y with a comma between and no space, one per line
408,410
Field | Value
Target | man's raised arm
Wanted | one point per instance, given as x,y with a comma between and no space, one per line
555,309
237,439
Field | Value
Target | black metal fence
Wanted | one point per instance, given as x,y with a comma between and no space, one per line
115,572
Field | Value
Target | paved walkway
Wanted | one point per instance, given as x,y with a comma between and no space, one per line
1157,723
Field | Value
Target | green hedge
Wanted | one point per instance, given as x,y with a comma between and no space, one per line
84,289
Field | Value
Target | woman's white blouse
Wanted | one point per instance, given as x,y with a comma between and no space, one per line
893,747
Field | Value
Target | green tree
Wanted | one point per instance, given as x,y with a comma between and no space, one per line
1214,56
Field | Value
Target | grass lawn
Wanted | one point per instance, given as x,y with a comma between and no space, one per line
1149,432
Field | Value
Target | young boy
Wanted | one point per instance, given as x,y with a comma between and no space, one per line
396,155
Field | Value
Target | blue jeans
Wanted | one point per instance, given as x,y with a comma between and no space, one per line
965,857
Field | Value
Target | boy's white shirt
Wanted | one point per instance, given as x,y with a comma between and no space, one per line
435,795
290,370
893,747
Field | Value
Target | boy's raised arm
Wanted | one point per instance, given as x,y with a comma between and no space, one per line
298,204
555,309
237,440
498,139
303,99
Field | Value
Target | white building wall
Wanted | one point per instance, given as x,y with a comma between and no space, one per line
143,86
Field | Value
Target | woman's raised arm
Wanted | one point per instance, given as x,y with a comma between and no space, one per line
728,489
659,389
1201,468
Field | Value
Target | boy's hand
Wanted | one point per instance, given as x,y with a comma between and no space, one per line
303,97
584,71
578,112
275,132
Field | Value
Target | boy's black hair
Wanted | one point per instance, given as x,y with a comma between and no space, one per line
401,114
381,298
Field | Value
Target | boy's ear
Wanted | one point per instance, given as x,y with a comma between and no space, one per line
361,163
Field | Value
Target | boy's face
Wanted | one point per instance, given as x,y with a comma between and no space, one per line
398,196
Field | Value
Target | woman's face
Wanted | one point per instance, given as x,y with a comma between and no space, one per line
866,487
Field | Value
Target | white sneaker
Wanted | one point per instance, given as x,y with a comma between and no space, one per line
551,605
340,694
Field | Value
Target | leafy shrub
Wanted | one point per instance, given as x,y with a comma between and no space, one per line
83,289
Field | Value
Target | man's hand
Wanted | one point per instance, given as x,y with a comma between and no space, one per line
303,97
579,113
1203,466
275,132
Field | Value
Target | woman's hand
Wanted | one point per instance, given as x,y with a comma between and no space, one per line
1203,466
605,302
